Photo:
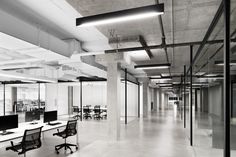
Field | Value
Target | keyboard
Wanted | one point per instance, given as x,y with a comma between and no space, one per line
55,123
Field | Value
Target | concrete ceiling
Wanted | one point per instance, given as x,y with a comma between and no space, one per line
183,20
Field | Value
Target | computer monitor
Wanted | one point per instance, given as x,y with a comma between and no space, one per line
8,122
31,116
50,116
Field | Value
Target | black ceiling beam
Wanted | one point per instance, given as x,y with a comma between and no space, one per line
209,31
167,46
144,44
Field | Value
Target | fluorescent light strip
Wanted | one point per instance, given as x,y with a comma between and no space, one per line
121,16
153,66
121,19
28,81
157,67
155,76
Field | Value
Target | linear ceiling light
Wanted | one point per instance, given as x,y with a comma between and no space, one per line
162,78
153,66
212,77
221,63
121,16
155,76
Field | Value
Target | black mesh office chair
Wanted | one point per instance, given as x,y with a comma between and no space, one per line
31,140
97,112
104,114
69,131
76,110
87,112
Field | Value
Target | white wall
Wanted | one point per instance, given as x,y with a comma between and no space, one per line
94,93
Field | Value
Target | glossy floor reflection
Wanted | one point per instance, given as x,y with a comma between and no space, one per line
161,134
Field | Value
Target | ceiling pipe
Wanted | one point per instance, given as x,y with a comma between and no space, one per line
163,37
184,44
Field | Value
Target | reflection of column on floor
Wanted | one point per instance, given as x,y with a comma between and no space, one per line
113,100
145,97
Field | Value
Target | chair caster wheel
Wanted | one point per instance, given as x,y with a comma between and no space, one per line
57,152
76,148
71,152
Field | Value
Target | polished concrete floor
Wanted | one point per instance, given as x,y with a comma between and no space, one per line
161,134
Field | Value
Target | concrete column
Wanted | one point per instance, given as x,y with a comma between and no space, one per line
145,98
14,98
166,105
196,102
155,100
201,110
113,100
205,105
160,100
70,100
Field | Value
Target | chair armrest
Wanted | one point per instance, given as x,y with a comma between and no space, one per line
56,133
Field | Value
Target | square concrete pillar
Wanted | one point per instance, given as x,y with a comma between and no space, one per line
160,100
113,100
155,100
145,98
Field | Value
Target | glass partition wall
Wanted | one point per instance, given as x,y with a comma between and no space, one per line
233,78
208,93
20,98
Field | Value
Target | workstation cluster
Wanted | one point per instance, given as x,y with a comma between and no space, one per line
30,132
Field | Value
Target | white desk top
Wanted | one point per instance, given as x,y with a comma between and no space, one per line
19,132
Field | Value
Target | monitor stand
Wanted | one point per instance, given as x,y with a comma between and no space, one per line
4,132
34,122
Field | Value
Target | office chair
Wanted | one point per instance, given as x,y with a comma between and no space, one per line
104,114
87,112
31,140
77,111
97,112
69,131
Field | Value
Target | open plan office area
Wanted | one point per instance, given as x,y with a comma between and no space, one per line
130,78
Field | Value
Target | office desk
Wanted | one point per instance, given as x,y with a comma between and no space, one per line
19,132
